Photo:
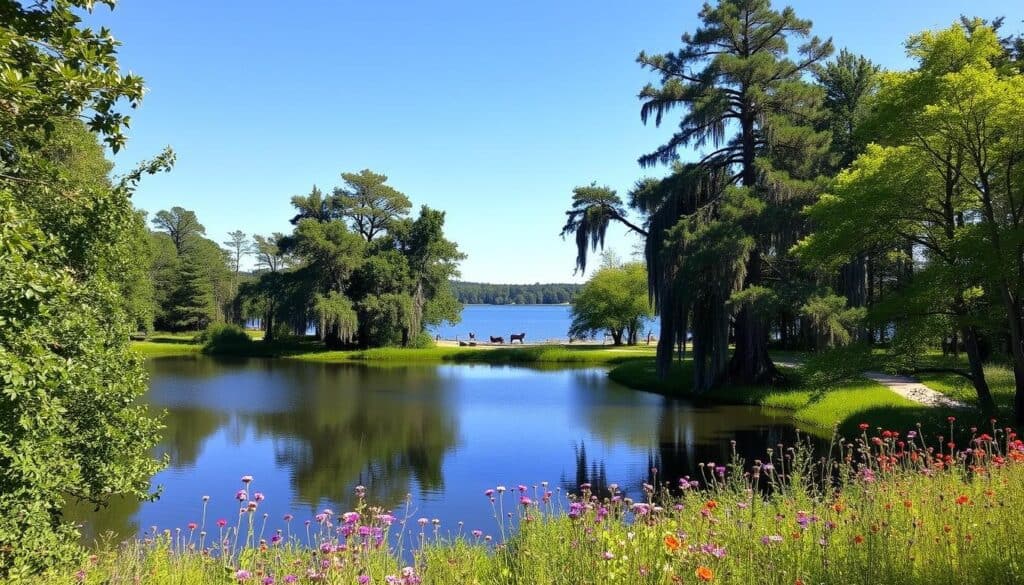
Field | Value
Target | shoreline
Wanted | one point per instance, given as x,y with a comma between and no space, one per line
840,405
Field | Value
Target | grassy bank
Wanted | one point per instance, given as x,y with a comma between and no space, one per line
165,345
821,405
897,512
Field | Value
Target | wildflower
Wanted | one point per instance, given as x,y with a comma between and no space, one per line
858,539
268,580
240,495
961,500
242,575
423,521
864,426
385,519
951,419
290,578
710,504
671,542
192,526
350,517
488,493
525,501
478,533
258,496
704,574
501,489
363,579
222,523
607,555
288,517
246,479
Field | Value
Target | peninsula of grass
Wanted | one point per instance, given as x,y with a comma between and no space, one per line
820,405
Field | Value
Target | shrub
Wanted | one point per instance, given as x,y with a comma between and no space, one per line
220,338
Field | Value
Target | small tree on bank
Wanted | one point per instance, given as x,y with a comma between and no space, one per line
613,300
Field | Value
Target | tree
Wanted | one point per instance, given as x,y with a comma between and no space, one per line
369,203
72,428
239,246
268,254
745,97
314,206
613,300
180,224
192,305
944,181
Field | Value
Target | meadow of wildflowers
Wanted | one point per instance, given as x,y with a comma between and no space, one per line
886,506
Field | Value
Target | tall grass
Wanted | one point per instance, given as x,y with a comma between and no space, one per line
882,507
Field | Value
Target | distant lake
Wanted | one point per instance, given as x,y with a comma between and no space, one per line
539,322
442,434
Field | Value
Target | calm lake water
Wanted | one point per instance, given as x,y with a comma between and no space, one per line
539,322
309,433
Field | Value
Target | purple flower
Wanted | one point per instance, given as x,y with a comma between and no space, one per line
242,575
488,493
290,578
385,519
240,495
478,533
608,555
268,580
363,579
258,496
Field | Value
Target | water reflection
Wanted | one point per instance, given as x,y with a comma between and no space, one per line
311,432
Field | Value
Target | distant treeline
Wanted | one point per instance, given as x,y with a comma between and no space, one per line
483,293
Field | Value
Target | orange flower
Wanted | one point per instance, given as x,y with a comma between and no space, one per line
798,582
671,542
711,504
704,573
961,500
838,507
908,504
858,539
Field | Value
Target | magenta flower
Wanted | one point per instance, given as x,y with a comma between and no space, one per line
192,526
488,493
363,579
242,575
258,496
222,523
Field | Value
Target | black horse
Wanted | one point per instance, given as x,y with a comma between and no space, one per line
497,339
472,336
514,336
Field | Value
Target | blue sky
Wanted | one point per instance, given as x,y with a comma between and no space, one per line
491,111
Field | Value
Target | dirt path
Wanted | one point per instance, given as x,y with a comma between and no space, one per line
905,386
914,390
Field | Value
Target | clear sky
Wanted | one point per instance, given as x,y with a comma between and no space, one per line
491,111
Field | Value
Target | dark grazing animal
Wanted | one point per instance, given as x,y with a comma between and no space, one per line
497,339
514,336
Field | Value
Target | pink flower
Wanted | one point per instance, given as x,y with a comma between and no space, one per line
222,523
246,479
240,495
192,526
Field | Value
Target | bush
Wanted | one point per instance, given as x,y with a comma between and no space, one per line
422,340
224,338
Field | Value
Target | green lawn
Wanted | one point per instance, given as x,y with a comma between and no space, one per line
821,407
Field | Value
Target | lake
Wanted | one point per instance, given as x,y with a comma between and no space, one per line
540,322
310,432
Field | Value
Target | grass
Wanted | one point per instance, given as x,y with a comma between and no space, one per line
1000,382
820,405
896,509
160,345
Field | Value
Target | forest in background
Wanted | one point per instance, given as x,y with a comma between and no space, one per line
482,293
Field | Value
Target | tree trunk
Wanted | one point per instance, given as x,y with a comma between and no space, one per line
616,336
974,360
750,362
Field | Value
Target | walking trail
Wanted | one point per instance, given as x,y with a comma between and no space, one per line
905,386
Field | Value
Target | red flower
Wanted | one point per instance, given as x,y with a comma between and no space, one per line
961,500
704,573
858,539
863,426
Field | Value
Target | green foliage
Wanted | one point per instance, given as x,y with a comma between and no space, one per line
613,300
832,318
220,338
370,204
69,293
480,293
